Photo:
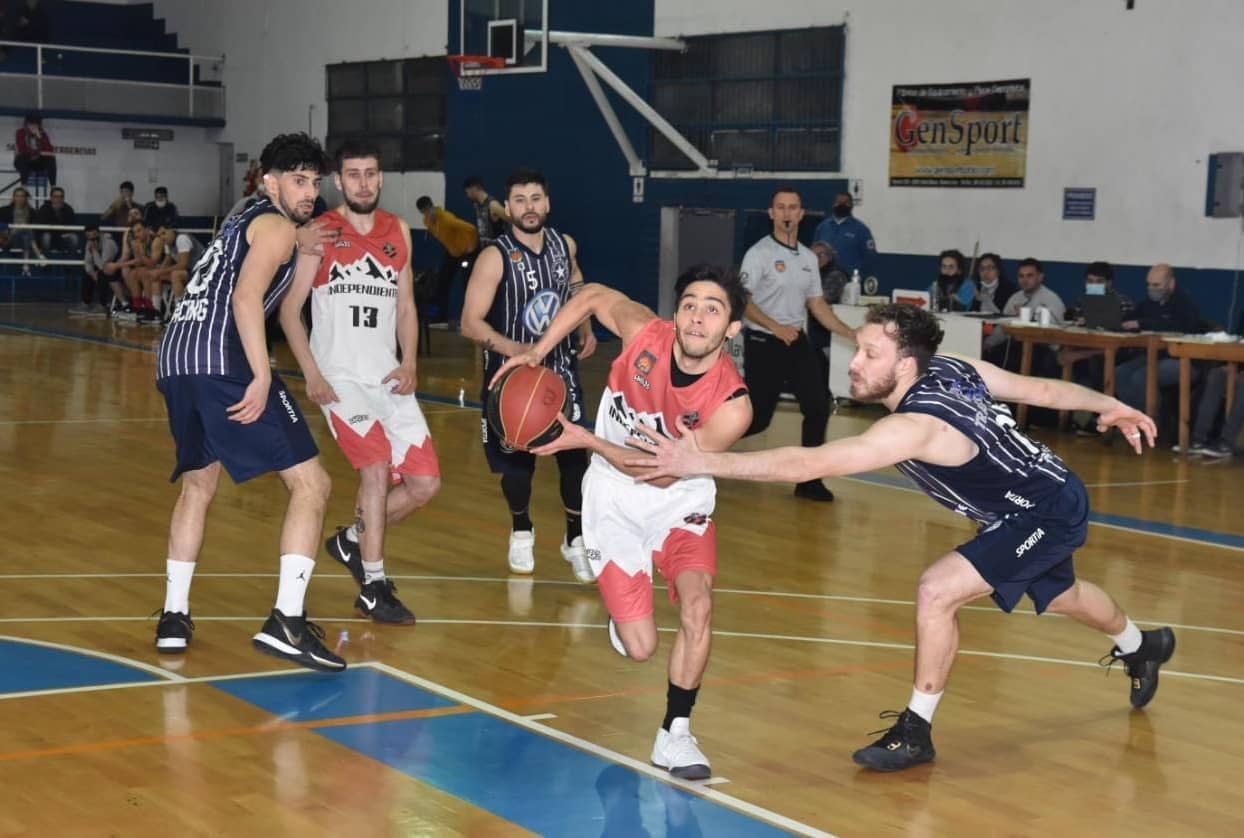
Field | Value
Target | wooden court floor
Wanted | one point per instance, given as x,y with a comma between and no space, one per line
504,712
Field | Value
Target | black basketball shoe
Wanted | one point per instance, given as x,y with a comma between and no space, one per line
173,632
1156,648
909,742
378,600
347,552
296,639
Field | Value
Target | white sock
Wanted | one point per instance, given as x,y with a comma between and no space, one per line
157,302
177,588
352,534
924,705
295,575
373,571
1127,640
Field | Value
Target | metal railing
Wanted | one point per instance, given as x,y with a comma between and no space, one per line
211,63
43,261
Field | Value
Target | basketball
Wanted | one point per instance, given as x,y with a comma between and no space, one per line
524,405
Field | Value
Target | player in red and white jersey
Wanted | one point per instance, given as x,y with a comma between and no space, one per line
671,375
363,306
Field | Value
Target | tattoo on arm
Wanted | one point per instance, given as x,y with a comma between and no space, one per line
359,526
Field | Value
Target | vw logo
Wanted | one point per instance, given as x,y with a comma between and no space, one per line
540,311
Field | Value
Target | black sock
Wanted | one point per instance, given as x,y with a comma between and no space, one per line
521,521
678,703
516,487
574,526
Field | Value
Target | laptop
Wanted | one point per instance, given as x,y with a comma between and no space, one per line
1103,311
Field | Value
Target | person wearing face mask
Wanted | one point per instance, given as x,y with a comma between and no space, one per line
952,291
1099,282
161,212
993,288
1166,308
850,238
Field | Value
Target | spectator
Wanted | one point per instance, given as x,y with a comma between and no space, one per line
56,211
833,280
458,238
30,23
252,179
952,290
33,150
133,260
118,212
18,212
161,212
1099,282
850,238
1167,308
1222,446
1088,365
993,288
174,255
491,219
1032,294
98,252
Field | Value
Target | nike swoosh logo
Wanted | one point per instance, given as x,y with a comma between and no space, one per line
294,639
370,603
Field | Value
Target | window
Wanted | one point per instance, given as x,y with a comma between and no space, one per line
399,105
769,100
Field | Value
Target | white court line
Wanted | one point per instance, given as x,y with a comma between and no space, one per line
1136,483
130,662
540,717
698,789
79,421
129,685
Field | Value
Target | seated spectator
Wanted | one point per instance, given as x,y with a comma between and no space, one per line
1033,295
30,23
97,252
1099,281
458,238
133,260
1212,396
161,212
33,150
1167,308
174,255
833,280
19,212
118,212
993,288
952,290
56,211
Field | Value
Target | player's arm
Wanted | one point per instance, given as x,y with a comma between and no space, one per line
893,439
271,239
407,327
290,316
824,314
497,210
481,290
1064,395
587,340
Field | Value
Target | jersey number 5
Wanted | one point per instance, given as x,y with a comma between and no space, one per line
365,316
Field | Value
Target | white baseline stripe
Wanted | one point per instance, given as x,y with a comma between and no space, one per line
613,756
130,662
128,685
78,421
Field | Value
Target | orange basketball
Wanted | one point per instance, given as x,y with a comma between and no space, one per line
523,406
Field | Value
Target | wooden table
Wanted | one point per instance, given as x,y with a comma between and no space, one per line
1078,338
1188,349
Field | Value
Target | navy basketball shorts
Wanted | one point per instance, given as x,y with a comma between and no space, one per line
501,458
203,432
1030,553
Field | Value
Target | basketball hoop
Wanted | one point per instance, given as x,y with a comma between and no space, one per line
470,69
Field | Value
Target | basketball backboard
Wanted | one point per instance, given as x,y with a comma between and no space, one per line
516,30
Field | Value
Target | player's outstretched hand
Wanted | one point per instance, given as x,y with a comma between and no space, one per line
529,357
1133,424
319,390
572,436
666,457
588,345
403,378
313,236
253,402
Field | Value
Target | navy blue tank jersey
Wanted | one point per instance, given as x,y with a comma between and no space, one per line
202,338
532,290
1010,473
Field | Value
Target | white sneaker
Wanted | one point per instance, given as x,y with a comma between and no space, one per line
677,751
577,556
616,641
522,555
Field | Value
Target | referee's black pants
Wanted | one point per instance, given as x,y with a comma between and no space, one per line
770,368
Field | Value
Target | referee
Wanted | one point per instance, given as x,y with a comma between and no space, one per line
785,284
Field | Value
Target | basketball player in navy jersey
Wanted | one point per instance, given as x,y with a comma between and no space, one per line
225,405
950,432
517,286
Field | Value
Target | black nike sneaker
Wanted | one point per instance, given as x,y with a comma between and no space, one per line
173,632
378,600
1156,648
296,639
909,742
347,552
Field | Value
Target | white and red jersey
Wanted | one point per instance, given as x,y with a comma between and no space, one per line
354,299
640,388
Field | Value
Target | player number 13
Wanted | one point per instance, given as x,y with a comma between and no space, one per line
364,316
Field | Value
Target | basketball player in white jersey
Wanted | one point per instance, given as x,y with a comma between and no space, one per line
363,307
668,372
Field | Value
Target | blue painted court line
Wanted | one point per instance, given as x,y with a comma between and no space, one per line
27,667
536,782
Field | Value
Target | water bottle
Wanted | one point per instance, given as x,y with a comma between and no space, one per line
851,294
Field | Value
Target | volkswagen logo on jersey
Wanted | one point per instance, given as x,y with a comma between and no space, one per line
540,311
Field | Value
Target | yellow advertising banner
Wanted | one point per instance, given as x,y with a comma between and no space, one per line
973,134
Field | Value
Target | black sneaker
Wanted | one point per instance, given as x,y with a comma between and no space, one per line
1156,648
814,490
173,632
908,743
347,552
378,600
296,639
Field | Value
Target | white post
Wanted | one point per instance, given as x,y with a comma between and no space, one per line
634,164
39,75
